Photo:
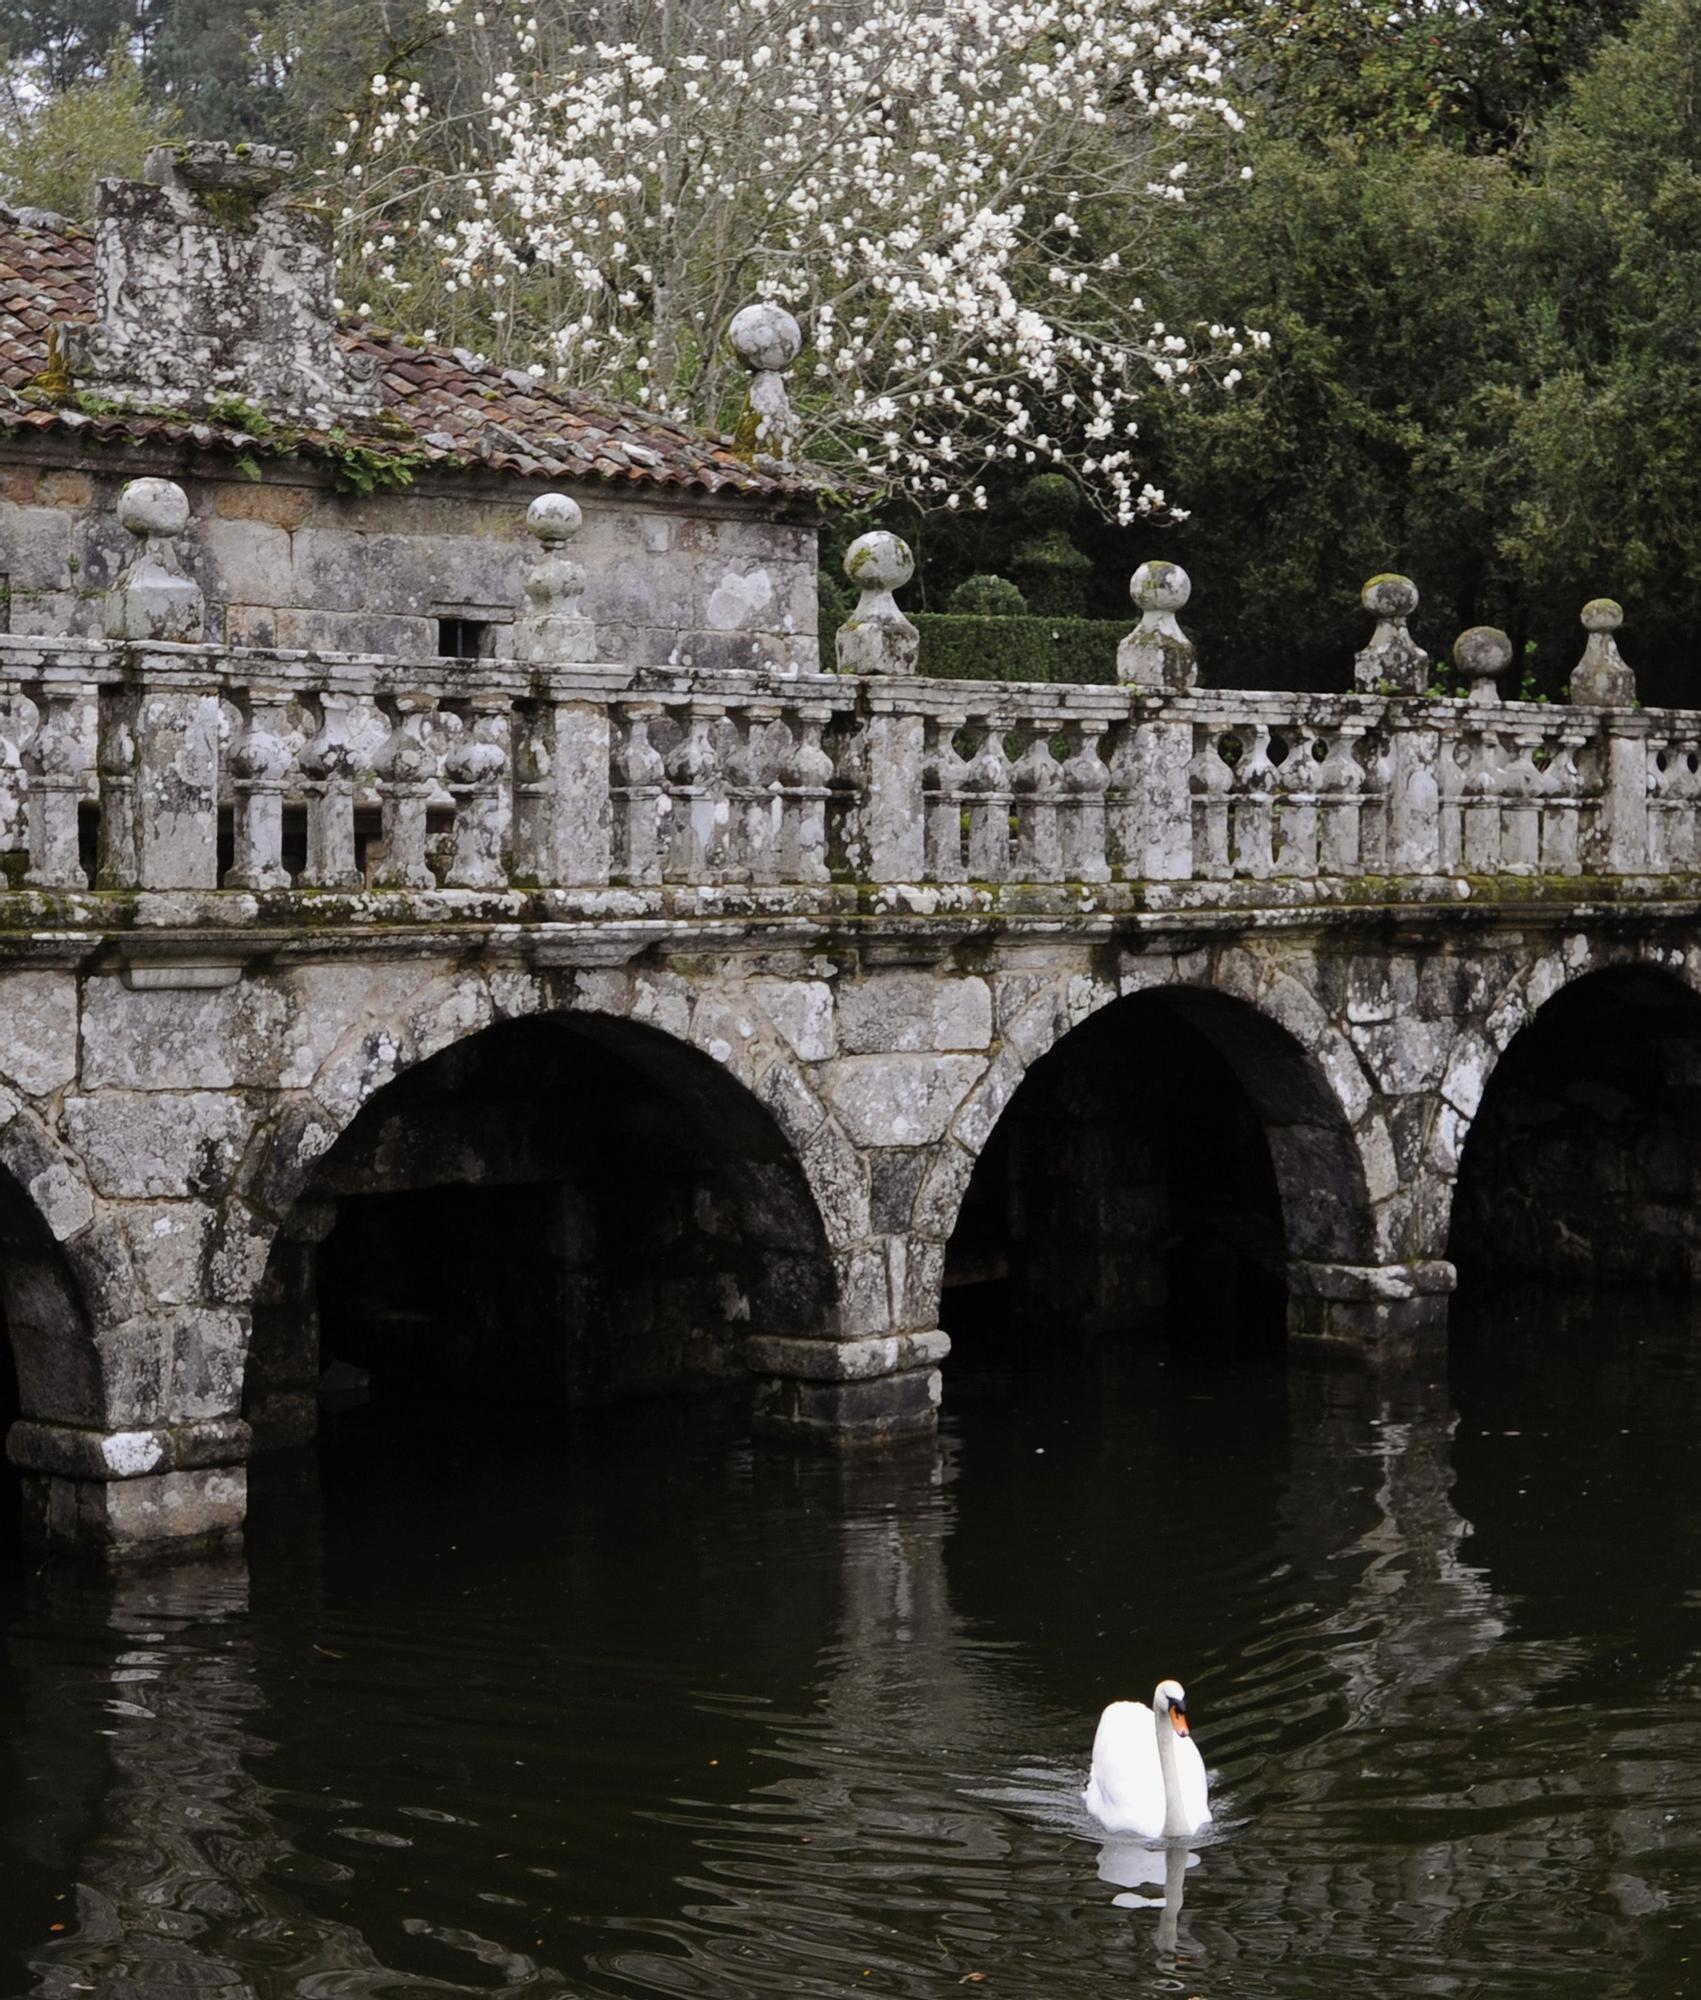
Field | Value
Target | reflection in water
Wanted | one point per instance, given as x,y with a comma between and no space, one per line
173,1896
655,1716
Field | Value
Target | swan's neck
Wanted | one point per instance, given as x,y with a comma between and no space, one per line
1175,1817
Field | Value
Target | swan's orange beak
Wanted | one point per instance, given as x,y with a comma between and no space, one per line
1178,1720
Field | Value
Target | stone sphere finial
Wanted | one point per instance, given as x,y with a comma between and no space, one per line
154,507
554,627
1393,662
1160,586
1602,678
151,597
1484,653
1157,653
1389,596
554,518
765,337
879,561
877,638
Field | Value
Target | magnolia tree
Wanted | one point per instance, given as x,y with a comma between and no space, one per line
952,195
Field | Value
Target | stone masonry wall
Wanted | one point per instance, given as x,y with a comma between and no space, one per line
164,1132
286,560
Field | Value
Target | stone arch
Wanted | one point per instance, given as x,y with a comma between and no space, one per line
63,1267
1573,1148
1300,1079
738,1119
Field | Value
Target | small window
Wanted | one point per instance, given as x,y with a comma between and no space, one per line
463,639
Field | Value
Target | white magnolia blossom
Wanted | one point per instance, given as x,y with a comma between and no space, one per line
937,188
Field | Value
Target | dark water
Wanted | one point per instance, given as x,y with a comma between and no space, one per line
632,1711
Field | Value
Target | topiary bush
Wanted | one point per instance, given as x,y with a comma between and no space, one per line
987,596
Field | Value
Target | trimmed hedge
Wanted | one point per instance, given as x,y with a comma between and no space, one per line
955,647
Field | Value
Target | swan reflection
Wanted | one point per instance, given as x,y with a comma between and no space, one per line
1132,1866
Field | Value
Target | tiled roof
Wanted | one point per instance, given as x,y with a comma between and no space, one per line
460,410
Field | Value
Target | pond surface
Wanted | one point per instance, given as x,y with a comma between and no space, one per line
634,1711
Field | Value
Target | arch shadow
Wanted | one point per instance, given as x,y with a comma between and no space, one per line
554,1212
1163,1164
1582,1165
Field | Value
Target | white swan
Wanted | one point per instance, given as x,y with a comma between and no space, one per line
1148,1777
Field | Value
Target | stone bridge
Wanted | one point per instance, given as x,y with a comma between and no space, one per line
754,1010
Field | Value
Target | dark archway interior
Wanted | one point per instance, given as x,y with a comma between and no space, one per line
1583,1164
550,1215
1128,1191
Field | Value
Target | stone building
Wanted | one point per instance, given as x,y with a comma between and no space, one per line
352,490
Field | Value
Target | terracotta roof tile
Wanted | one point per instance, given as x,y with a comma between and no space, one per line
457,410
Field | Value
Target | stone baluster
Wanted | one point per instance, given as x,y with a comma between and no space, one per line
327,768
1157,653
1150,816
1037,782
1211,786
1340,787
877,638
1393,662
697,785
1602,680
1086,780
1560,796
152,599
1481,797
1296,805
1375,759
260,763
403,770
1253,813
116,764
641,802
945,780
1682,791
987,783
1521,803
55,762
766,340
763,747
807,779
475,768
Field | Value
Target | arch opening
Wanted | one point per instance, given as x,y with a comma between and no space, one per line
552,1215
1582,1166
1148,1183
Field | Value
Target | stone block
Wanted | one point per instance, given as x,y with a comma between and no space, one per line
899,1100
801,1011
146,1145
902,1012
38,1030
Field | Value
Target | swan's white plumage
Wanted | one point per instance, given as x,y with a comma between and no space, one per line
1125,1792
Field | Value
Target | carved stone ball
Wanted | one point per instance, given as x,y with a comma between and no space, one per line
765,336
554,518
1602,614
1484,652
1160,586
1389,596
879,561
154,507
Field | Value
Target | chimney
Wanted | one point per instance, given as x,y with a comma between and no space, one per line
211,282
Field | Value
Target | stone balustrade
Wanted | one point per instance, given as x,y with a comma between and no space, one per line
167,763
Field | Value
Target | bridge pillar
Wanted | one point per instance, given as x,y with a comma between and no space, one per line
1370,1309
843,1394
150,1490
